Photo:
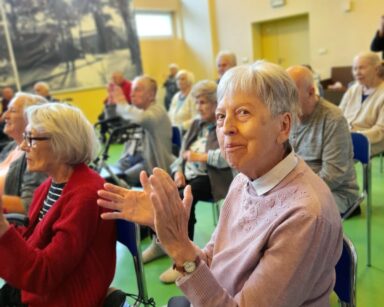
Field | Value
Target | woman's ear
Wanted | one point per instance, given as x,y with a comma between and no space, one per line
285,127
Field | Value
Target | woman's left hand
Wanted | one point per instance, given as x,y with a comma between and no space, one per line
192,156
171,216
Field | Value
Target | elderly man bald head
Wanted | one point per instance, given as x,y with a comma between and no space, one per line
322,138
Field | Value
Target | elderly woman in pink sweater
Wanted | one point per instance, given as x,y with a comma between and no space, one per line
279,236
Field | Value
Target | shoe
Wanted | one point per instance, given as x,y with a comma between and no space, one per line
153,252
169,276
356,212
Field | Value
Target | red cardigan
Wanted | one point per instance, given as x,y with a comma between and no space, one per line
67,259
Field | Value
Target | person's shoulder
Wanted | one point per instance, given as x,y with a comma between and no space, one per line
331,111
307,194
157,107
381,87
85,178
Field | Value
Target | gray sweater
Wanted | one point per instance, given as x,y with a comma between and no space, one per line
324,142
157,141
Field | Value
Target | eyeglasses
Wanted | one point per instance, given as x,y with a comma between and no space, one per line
29,139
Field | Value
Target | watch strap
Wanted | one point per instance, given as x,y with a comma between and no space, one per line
182,270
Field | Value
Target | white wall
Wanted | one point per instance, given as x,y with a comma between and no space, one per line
198,37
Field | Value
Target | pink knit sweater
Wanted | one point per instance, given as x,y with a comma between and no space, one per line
277,249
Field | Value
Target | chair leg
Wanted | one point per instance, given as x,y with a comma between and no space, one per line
216,212
367,188
139,268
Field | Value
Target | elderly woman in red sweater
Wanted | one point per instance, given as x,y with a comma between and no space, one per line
279,236
66,256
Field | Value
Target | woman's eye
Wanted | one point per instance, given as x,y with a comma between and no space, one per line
243,112
220,116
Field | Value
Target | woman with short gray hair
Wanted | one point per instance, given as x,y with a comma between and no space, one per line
182,109
66,243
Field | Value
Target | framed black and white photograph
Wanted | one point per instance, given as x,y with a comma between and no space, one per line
68,43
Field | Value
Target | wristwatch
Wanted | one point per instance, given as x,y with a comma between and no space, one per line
188,267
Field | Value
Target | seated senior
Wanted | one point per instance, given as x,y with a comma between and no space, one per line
182,110
363,103
66,256
279,236
17,183
151,143
321,137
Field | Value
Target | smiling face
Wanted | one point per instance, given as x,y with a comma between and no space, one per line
15,121
251,140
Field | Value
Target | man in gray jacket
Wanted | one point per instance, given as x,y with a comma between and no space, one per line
151,142
321,137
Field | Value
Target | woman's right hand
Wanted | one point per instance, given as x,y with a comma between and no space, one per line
134,206
180,179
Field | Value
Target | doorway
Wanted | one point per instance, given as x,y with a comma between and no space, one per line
282,41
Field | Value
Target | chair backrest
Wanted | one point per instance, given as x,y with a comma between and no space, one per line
128,234
342,74
176,140
361,147
346,268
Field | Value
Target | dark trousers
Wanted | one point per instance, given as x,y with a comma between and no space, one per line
10,297
201,191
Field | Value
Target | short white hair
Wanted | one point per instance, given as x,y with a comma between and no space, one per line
45,85
229,55
29,99
371,57
72,136
190,76
265,81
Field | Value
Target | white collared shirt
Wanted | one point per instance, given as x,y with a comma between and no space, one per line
272,178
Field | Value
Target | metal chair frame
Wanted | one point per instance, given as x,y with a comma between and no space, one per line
346,270
128,233
362,153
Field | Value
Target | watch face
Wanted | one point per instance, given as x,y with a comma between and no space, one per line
189,266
